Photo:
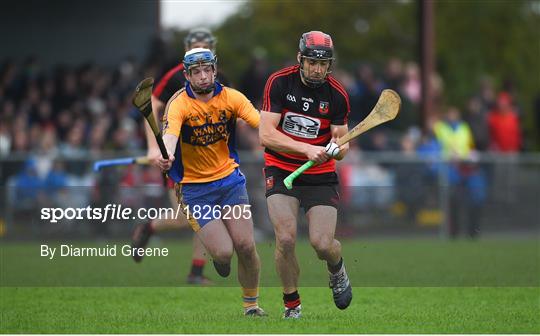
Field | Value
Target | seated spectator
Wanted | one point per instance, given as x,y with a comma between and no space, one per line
27,186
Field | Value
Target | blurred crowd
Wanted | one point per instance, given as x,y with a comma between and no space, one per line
85,111
73,111
76,111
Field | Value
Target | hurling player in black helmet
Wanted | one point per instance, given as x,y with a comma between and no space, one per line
201,35
165,88
304,112
315,55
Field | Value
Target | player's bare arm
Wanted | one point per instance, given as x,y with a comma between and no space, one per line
337,132
270,137
170,142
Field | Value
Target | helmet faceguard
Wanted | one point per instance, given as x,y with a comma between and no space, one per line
200,35
199,57
315,45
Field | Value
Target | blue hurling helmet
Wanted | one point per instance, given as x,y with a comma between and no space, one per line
199,56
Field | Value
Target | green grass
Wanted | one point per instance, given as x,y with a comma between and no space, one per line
216,310
375,263
401,286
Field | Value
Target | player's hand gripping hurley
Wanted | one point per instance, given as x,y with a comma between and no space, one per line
386,109
142,101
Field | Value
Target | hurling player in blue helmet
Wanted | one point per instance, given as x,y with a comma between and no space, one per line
170,83
199,133
199,57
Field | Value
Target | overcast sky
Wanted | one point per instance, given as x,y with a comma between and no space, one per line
185,14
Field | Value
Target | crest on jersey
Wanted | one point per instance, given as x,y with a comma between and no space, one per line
323,107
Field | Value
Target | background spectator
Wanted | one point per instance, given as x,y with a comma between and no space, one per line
504,126
466,180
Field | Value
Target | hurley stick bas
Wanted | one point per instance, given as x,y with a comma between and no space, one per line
142,100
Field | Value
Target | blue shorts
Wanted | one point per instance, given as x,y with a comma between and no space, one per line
204,202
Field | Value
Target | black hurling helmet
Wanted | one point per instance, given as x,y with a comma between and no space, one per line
319,46
200,35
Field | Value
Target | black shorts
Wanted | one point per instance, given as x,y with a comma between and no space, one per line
310,190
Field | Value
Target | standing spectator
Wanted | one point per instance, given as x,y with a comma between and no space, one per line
430,149
393,75
487,93
504,126
509,87
368,88
505,132
476,117
454,135
411,86
466,180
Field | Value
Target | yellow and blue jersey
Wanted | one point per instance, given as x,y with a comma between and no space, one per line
206,149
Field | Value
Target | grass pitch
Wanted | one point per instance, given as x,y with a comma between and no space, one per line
401,286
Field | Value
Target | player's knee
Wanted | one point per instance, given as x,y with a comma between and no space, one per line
322,245
285,242
245,248
223,255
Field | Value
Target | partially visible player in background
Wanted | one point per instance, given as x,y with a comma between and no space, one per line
199,129
305,109
171,82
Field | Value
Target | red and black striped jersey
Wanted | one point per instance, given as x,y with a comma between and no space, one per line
306,115
175,80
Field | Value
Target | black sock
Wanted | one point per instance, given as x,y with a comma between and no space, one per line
291,300
197,267
335,268
222,269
